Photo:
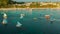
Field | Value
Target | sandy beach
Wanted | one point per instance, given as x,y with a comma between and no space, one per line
24,8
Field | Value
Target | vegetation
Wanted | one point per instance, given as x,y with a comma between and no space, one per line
11,4
3,3
8,3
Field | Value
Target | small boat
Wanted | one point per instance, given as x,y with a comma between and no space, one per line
4,21
18,24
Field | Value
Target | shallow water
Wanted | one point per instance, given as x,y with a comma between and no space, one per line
34,22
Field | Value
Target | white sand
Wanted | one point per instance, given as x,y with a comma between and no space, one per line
24,8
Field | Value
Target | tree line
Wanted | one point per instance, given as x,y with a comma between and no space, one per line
5,3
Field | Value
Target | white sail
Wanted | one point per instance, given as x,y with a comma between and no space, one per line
18,24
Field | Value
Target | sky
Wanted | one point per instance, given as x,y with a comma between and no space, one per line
35,0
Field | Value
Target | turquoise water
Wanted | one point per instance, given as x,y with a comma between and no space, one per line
40,25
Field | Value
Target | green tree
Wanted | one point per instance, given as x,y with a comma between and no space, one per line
4,3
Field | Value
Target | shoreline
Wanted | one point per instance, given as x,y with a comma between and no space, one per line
24,8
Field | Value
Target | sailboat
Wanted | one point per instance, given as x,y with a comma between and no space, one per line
18,24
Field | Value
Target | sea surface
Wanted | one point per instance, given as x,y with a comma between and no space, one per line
33,22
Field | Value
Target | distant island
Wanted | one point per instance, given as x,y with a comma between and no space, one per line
14,4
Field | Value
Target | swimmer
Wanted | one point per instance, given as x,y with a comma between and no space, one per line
18,24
